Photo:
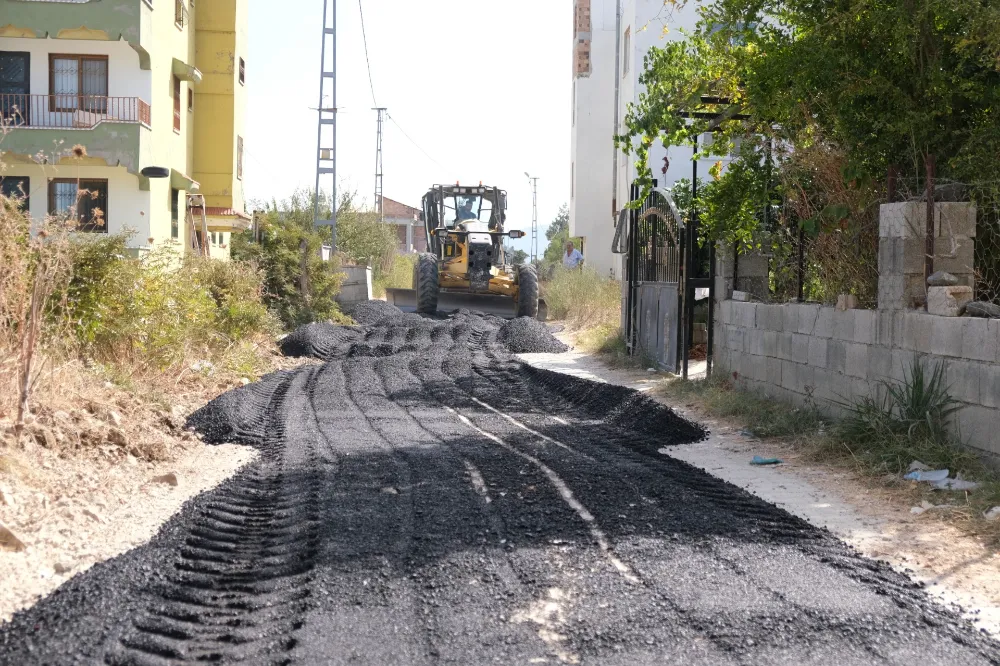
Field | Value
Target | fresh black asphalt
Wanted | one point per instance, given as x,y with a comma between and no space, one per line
423,498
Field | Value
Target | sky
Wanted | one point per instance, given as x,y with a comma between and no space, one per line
482,89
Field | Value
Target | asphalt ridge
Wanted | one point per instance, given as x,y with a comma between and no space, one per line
423,497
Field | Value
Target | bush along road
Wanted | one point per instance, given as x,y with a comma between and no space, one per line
422,497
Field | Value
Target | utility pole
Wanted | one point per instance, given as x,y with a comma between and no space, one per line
534,216
378,165
326,141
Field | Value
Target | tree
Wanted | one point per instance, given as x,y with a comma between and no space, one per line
558,234
515,256
878,84
290,244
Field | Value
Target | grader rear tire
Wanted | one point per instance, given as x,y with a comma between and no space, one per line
425,282
527,293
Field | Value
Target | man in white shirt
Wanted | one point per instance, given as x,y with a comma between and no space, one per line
573,258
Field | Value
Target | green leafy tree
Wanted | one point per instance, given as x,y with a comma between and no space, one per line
557,234
300,286
515,256
877,84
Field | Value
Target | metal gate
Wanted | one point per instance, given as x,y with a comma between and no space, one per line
664,269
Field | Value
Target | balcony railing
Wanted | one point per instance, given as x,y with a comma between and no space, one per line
61,111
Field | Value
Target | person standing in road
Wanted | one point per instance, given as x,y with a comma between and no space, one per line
573,258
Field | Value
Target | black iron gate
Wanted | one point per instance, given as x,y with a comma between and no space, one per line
664,269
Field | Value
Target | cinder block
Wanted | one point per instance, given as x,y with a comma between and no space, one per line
772,373
836,355
843,324
989,387
857,360
977,428
800,348
769,343
917,331
745,314
817,351
884,320
785,346
807,314
879,363
865,327
824,384
902,362
790,317
727,312
948,301
824,323
759,366
962,379
752,338
977,343
805,380
955,219
946,335
892,292
789,374
994,334
841,389
770,317
898,318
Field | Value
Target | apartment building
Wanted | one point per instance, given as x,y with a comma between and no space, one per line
611,39
139,104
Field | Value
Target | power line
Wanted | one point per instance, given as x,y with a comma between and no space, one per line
364,36
426,154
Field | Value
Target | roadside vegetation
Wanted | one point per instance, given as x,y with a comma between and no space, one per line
86,324
879,436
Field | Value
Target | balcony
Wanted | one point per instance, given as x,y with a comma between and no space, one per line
70,111
38,128
105,20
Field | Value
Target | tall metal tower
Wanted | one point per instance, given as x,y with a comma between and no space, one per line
378,165
534,216
326,129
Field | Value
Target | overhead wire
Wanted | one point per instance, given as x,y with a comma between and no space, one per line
364,36
371,84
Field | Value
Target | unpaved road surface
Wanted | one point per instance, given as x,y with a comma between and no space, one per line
424,498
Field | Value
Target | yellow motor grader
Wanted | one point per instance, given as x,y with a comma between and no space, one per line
466,264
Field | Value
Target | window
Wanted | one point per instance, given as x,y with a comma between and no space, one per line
627,51
179,13
16,187
88,199
190,99
239,157
175,211
243,71
177,104
78,82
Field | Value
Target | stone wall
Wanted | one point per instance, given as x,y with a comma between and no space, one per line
810,353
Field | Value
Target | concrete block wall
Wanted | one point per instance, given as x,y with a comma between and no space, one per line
805,352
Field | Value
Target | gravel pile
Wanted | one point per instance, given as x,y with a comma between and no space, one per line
319,340
385,330
525,335
371,313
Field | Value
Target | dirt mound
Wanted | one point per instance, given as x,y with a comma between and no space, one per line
525,335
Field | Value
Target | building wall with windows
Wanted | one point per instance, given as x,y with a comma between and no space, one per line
120,79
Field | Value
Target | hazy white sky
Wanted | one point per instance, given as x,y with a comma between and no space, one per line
483,87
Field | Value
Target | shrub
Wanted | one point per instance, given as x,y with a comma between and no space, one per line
288,243
583,298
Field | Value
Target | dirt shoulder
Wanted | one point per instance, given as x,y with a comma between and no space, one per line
104,465
956,568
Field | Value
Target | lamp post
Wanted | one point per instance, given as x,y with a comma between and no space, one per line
533,180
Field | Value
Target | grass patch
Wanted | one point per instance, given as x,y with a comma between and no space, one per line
608,342
583,298
398,276
881,435
759,414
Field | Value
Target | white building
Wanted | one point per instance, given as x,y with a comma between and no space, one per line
608,65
